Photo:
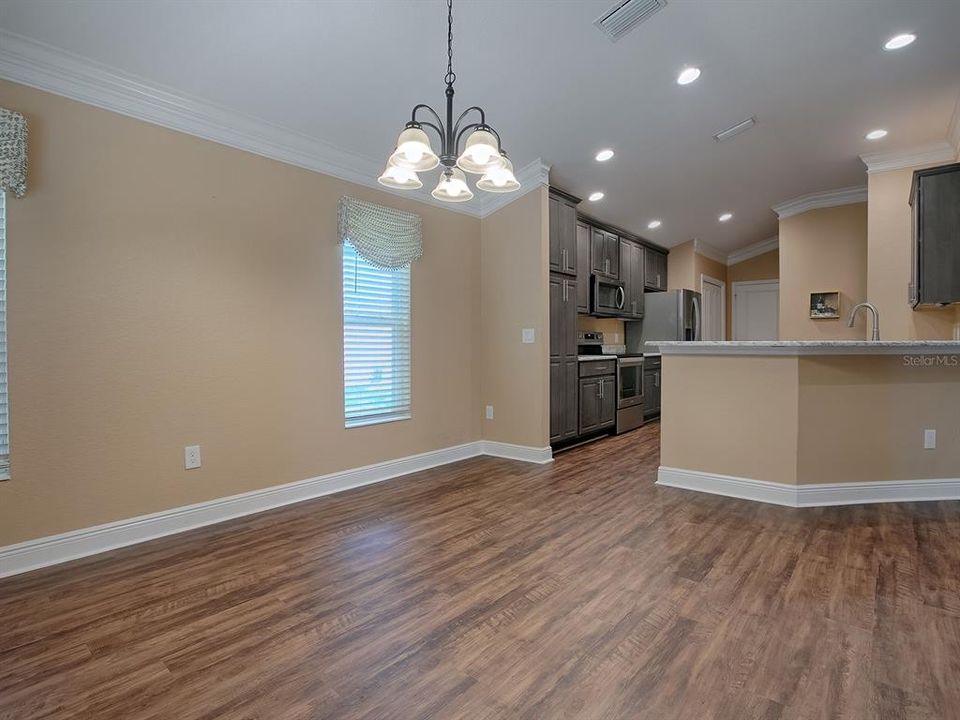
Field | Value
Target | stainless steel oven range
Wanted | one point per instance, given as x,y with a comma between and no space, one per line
629,392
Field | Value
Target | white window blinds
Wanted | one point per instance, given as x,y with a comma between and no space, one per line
4,438
376,341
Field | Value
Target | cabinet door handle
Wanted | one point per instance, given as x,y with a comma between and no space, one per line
658,279
600,388
564,290
656,379
563,258
606,265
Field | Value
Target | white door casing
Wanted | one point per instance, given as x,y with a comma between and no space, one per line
756,310
714,293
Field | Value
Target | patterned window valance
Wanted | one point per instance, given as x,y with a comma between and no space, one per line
13,152
383,236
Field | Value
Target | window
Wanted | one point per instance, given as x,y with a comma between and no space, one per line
376,342
4,438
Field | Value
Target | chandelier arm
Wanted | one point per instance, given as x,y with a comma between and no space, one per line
424,106
483,117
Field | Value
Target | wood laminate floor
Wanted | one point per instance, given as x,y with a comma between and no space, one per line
495,589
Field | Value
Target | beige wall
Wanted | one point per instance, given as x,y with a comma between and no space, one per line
826,419
612,328
862,419
761,267
820,251
730,415
515,376
685,266
889,240
166,291
680,267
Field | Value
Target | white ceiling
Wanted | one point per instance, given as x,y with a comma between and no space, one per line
348,72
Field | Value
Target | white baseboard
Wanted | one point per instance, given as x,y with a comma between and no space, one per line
855,493
34,554
518,452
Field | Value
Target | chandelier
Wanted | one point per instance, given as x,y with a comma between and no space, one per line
482,153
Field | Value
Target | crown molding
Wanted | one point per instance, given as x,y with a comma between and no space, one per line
709,251
754,250
531,176
817,200
939,152
38,65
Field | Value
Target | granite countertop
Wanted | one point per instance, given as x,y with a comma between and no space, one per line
588,358
810,347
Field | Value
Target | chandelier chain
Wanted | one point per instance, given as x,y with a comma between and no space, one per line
451,76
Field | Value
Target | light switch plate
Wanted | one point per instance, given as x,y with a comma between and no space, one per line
929,439
489,412
528,336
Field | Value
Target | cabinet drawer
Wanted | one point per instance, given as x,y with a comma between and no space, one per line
593,368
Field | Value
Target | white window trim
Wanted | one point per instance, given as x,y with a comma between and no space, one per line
4,376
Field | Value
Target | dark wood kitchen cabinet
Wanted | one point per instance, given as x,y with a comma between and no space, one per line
632,275
935,199
598,403
597,395
583,269
563,232
651,387
655,270
604,253
564,372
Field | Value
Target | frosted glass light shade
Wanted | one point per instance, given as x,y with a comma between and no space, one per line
481,153
400,178
453,187
414,152
499,180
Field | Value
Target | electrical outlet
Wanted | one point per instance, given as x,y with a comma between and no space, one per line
489,412
528,336
191,457
929,439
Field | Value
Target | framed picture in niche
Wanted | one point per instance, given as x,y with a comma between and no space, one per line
825,305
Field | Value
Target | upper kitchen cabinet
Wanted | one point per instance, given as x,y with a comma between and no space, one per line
935,197
563,232
655,271
632,275
604,253
583,269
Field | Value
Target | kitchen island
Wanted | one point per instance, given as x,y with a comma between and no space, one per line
812,422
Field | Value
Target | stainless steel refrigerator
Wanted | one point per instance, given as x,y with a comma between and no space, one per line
670,315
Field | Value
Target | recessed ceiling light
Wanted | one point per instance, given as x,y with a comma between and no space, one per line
654,224
604,155
688,75
899,41
875,134
595,196
725,217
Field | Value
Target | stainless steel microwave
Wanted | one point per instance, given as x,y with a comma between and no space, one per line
606,297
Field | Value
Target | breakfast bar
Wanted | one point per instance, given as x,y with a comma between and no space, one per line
812,422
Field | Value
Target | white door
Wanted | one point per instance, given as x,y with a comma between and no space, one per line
756,310
713,292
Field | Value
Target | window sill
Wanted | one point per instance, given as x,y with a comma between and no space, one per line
366,422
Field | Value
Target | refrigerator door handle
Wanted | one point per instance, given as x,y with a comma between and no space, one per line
697,327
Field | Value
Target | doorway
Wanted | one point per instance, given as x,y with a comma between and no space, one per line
714,294
756,310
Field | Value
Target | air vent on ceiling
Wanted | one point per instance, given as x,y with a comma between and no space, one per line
735,130
625,15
